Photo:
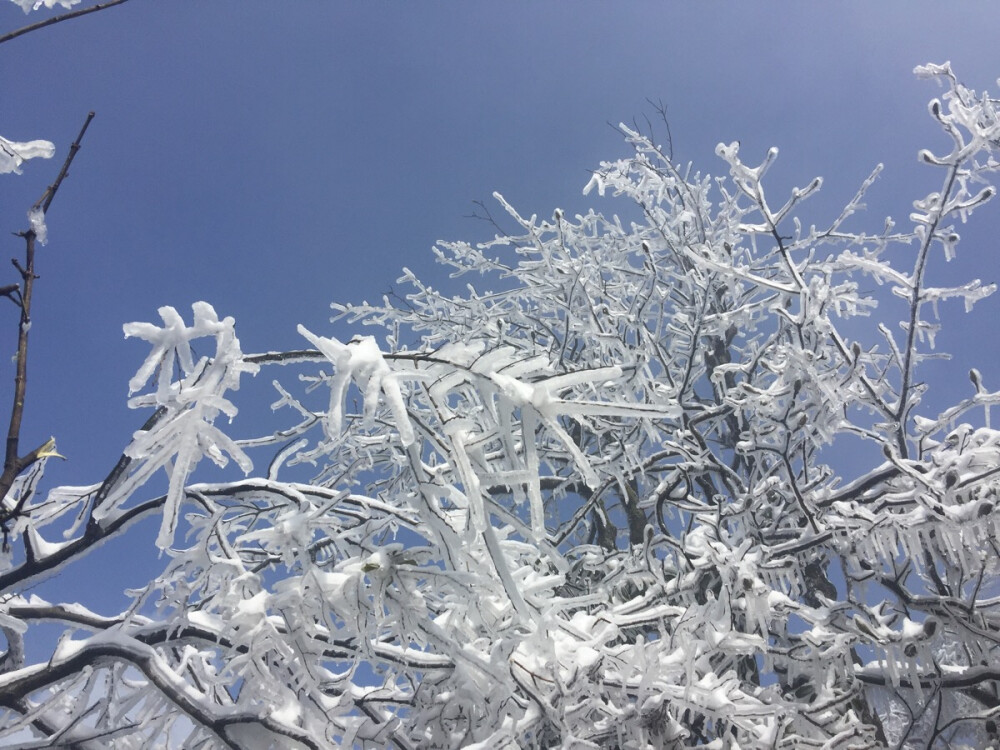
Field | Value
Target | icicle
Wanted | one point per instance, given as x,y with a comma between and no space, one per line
473,489
912,667
529,425
910,543
890,665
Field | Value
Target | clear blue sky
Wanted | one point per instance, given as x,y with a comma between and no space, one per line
272,157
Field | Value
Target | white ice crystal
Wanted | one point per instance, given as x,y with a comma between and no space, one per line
36,218
14,153
29,5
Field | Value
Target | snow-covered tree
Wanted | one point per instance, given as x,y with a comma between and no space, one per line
597,506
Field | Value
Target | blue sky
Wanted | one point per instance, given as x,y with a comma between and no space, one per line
273,157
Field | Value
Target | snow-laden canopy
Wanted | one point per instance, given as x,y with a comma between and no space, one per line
589,508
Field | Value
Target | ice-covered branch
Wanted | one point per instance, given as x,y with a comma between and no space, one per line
590,504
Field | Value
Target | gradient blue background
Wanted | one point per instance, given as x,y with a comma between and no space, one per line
272,157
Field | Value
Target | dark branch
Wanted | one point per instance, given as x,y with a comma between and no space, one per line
57,19
14,464
50,192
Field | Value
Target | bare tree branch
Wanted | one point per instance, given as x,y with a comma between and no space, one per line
58,19
13,463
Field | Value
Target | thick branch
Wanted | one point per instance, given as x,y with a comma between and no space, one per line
25,681
96,534
970,678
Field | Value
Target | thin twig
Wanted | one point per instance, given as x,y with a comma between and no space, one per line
56,19
50,192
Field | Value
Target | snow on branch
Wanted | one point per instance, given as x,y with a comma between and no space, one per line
13,153
590,503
